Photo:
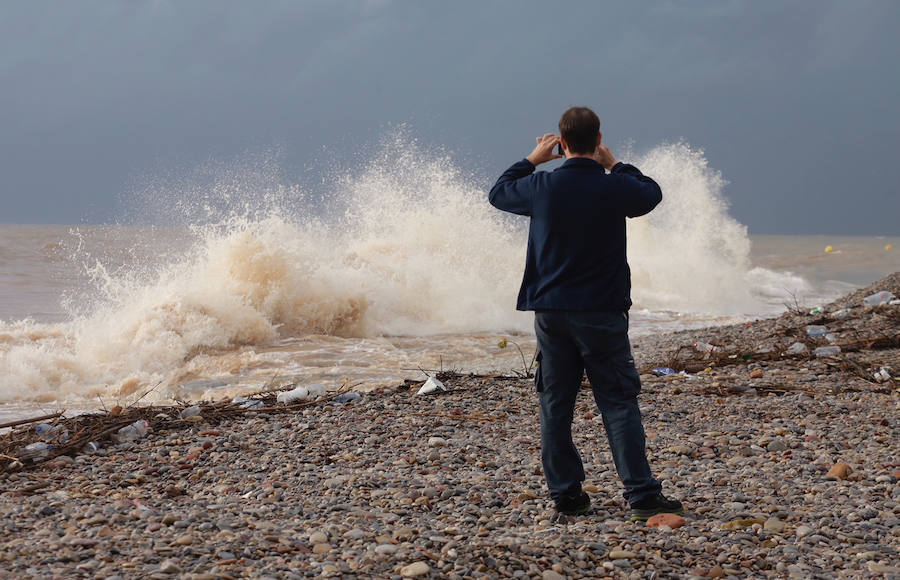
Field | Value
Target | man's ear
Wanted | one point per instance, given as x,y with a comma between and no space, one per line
563,144
599,137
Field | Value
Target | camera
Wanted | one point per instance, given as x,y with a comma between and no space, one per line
559,150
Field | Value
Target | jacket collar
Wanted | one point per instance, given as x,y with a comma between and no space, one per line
579,162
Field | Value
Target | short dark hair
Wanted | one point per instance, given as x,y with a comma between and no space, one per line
579,126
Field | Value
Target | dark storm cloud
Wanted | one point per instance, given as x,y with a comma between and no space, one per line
796,103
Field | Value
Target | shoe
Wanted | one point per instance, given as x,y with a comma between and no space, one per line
571,505
655,504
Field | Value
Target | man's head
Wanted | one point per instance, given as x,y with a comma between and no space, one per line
579,128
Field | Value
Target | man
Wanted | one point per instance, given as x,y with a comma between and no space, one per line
578,283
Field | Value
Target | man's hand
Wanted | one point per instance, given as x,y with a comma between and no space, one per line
543,151
604,156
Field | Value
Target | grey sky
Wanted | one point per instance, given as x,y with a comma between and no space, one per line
796,103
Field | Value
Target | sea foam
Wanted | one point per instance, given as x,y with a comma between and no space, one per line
405,245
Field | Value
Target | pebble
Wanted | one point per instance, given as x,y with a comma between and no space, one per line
621,554
670,521
803,531
840,471
415,569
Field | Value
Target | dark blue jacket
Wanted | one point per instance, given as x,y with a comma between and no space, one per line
576,241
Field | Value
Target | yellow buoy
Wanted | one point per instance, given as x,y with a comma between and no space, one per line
828,249
888,248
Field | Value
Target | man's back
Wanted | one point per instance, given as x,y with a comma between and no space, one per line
576,256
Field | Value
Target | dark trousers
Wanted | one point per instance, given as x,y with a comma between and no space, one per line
570,343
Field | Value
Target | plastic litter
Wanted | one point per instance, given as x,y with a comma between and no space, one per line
248,403
705,347
817,310
292,396
191,411
827,350
347,397
36,451
430,386
816,330
92,447
841,314
52,432
663,371
133,432
796,348
882,375
878,298
830,337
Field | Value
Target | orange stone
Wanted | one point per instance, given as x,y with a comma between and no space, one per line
756,374
671,520
840,471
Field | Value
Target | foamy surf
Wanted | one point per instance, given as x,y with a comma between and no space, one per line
411,268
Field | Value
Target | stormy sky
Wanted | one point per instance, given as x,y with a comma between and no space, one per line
796,103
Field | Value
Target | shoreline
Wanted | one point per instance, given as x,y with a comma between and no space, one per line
449,485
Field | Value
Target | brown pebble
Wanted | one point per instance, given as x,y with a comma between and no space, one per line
716,572
756,374
840,471
671,520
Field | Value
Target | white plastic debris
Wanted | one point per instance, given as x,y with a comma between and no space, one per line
430,386
827,350
882,375
816,330
841,314
796,348
246,403
192,411
878,298
133,432
315,390
292,396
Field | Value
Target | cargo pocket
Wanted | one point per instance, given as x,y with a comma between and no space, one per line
539,373
627,377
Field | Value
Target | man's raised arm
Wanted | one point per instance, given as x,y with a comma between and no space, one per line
512,193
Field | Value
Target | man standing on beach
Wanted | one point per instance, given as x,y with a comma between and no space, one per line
578,284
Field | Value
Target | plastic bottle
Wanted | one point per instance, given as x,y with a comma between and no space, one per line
191,411
878,298
816,330
705,347
796,348
136,430
36,451
827,350
49,432
841,314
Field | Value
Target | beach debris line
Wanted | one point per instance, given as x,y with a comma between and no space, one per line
857,335
26,446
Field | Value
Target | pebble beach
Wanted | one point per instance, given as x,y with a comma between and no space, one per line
788,466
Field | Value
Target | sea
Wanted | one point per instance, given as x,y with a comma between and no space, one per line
227,281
